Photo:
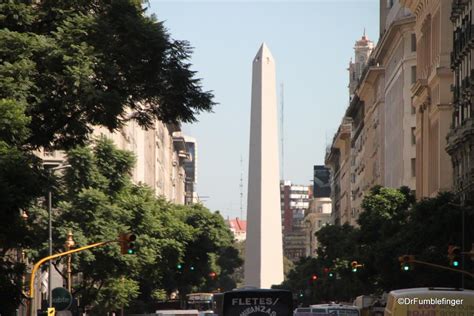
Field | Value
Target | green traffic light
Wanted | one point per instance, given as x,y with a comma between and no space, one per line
130,251
191,268
301,294
406,268
331,274
455,263
354,270
179,266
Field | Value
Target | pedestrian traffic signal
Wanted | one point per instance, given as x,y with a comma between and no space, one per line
127,243
454,255
406,262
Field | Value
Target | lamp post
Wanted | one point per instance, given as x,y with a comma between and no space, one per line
69,244
50,234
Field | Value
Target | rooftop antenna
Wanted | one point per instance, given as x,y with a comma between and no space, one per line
282,101
241,186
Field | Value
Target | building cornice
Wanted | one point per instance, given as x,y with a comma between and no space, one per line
369,79
387,40
416,6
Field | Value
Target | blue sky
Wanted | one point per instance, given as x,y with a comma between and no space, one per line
312,43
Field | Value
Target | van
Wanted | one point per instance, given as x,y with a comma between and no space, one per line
177,312
430,302
327,310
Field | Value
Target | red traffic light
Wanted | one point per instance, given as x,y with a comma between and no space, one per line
326,270
212,275
314,277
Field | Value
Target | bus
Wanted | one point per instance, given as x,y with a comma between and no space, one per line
430,302
254,302
200,301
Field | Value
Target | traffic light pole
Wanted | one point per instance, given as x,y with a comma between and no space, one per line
48,258
442,267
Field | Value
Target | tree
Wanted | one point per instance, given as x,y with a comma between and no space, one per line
98,201
66,67
21,180
392,224
83,63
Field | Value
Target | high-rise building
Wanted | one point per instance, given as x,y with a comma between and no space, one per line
190,169
318,216
461,135
321,184
431,94
161,154
294,206
396,55
337,159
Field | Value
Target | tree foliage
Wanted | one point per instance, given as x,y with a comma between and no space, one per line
98,201
66,67
75,64
392,224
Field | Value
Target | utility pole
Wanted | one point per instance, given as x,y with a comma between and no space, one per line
282,136
241,187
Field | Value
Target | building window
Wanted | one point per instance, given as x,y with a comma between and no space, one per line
413,167
413,74
413,109
413,135
413,42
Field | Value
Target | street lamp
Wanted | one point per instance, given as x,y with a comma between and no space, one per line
50,234
69,244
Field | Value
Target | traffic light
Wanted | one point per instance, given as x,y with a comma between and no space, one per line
454,255
355,266
331,275
314,277
406,262
191,268
127,243
179,266
213,275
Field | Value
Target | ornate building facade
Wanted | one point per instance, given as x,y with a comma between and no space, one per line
431,94
461,136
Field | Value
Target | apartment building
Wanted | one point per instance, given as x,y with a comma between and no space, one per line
431,94
460,141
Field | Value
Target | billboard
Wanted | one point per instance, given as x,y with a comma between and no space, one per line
321,185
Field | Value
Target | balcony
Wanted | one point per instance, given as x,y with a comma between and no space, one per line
457,8
459,136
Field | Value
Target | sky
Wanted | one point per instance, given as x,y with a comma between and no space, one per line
312,43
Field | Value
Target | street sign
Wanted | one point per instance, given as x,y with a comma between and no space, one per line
62,299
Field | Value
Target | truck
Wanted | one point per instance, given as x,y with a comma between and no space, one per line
254,302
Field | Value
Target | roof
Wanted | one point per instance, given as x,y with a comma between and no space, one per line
431,291
237,225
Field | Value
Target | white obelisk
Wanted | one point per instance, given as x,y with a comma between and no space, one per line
263,251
